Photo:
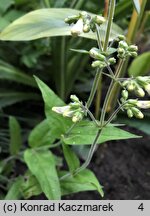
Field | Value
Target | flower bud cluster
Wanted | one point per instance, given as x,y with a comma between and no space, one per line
73,110
100,58
139,85
84,23
124,50
133,106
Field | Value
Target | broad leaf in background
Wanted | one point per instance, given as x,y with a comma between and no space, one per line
42,166
71,158
8,98
136,123
85,132
141,65
46,23
83,181
41,135
137,5
15,135
11,73
5,4
14,193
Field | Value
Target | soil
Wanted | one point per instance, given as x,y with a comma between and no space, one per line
123,168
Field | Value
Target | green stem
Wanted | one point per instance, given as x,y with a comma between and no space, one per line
108,95
94,87
47,3
63,68
110,20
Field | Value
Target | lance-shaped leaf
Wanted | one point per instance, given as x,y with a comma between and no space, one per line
85,132
42,166
15,135
47,23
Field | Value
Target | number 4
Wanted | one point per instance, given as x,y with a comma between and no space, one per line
141,207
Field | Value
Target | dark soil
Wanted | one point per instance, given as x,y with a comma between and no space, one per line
123,168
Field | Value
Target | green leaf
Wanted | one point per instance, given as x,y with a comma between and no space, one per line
137,6
49,97
141,65
80,51
47,23
83,181
15,135
11,73
14,192
8,98
57,123
42,166
71,158
137,123
30,186
5,4
85,132
41,135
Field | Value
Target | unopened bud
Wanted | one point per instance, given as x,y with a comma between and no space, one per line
83,14
96,63
139,92
137,113
112,60
131,86
86,28
125,83
77,117
74,98
133,54
71,19
121,37
125,94
123,44
77,28
99,20
121,51
129,113
147,88
95,53
133,48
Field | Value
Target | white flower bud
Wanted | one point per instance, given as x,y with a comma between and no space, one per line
95,53
147,88
131,86
137,113
99,20
77,29
123,44
129,113
143,104
77,117
125,94
86,28
96,63
74,98
112,60
133,48
121,37
133,54
140,92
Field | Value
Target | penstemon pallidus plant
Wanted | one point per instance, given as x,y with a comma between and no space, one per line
44,173
77,110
